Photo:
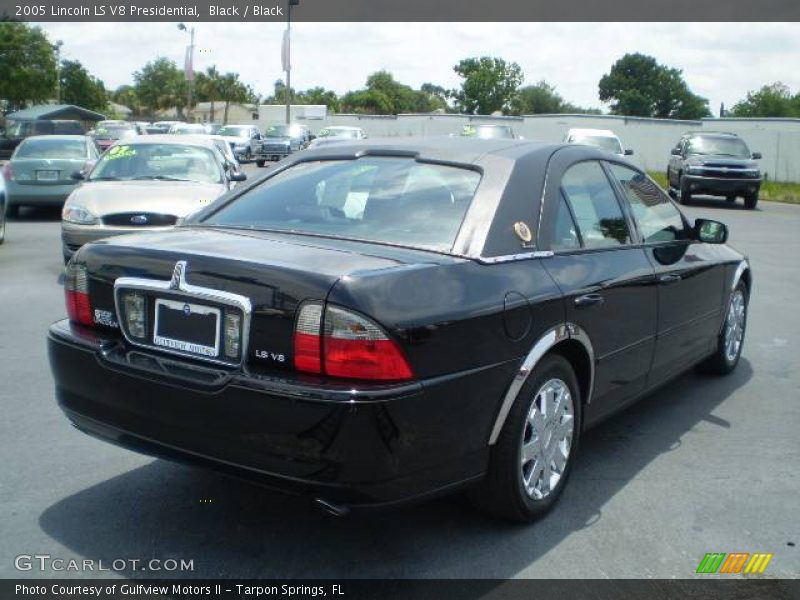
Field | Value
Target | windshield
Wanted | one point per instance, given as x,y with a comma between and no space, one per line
390,200
170,162
51,148
277,131
345,133
724,146
488,132
603,142
187,129
234,131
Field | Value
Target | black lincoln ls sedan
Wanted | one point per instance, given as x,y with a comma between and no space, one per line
375,322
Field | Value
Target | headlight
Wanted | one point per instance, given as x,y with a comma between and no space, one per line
753,173
78,215
694,169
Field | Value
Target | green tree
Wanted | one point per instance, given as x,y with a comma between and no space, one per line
208,87
637,85
774,100
318,95
384,95
369,102
27,65
489,85
127,96
80,88
160,86
232,90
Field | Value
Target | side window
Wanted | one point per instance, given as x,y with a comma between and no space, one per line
599,217
565,235
657,218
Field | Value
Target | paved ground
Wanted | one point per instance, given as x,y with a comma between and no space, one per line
706,465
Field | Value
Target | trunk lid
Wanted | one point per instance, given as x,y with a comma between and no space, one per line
45,171
276,272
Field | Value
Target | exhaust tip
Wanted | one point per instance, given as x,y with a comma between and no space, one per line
334,509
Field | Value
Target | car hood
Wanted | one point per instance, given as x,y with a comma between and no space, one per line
178,198
235,139
721,160
276,140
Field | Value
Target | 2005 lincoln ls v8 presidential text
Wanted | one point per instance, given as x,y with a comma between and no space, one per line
380,321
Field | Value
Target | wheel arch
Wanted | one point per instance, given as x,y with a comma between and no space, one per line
568,340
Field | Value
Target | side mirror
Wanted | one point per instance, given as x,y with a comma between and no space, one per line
311,137
676,151
710,232
78,175
628,152
237,176
756,155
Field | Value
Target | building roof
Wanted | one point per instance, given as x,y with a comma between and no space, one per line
56,111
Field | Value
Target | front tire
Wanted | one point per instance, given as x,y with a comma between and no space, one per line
12,210
686,195
750,201
532,459
731,339
730,199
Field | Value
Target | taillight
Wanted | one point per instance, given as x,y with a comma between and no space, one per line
8,174
351,346
76,294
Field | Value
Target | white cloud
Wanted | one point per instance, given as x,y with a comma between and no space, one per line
720,61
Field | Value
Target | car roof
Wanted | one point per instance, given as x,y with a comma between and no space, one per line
57,137
590,131
463,150
165,138
710,134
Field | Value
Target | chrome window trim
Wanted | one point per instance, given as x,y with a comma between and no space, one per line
178,286
490,260
542,346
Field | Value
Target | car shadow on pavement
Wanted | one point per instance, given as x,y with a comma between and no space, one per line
718,203
35,214
231,528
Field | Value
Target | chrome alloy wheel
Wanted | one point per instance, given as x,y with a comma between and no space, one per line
547,438
734,325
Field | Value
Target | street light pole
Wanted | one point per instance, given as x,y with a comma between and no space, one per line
287,58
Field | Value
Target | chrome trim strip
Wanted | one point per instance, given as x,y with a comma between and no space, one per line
549,339
180,287
491,260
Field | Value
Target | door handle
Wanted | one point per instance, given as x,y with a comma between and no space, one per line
669,278
588,300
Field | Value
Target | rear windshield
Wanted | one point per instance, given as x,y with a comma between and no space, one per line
51,148
390,200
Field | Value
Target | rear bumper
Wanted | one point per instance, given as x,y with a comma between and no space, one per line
37,195
354,447
721,186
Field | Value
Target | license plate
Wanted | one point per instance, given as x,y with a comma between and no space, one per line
191,328
46,175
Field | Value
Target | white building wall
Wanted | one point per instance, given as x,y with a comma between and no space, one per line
651,139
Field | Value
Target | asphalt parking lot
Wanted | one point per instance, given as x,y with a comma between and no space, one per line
704,465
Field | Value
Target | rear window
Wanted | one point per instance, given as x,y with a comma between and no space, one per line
51,148
390,200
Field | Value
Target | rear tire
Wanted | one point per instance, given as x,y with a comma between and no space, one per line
750,201
12,211
530,464
731,338
260,163
730,199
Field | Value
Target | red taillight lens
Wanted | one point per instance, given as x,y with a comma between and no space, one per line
307,342
76,294
352,346
8,174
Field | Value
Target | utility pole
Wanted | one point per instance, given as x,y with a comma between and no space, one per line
286,56
59,43
188,69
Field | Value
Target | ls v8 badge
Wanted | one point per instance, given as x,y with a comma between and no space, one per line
272,356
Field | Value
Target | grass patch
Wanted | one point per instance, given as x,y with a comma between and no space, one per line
771,191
